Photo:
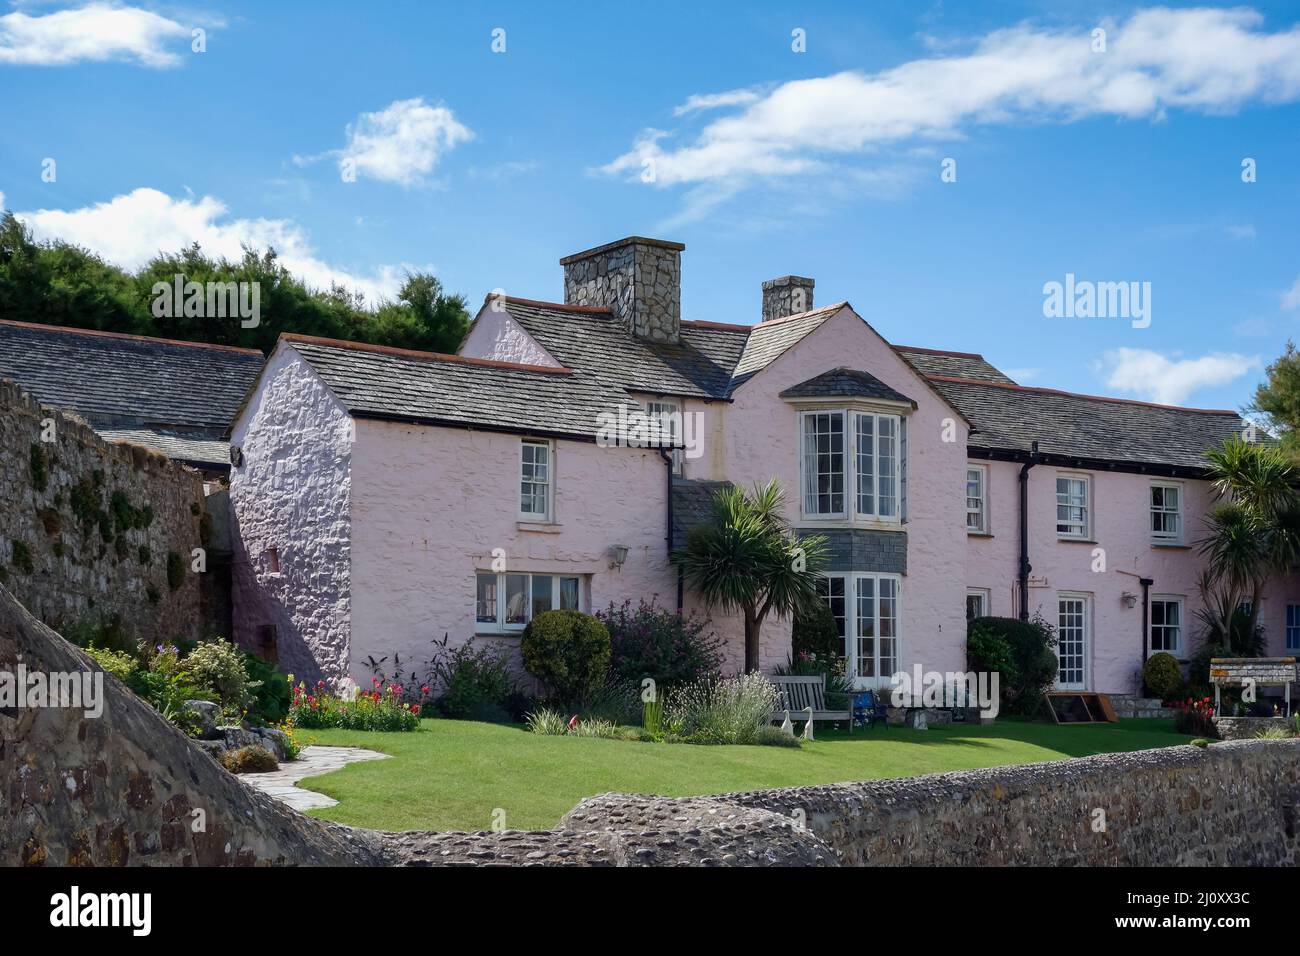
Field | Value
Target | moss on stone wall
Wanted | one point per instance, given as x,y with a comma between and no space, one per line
40,474
22,558
175,570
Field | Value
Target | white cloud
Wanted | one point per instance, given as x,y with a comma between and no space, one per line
131,229
402,143
1022,376
1170,381
713,101
97,32
1246,231
1291,297
1213,60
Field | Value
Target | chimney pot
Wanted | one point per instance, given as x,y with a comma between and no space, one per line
788,295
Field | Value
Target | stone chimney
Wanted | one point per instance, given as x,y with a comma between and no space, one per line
788,295
638,279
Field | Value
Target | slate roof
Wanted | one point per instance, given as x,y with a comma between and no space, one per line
1010,417
847,383
955,364
425,387
175,397
692,505
699,366
768,341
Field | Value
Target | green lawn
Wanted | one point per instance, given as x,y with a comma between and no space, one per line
451,775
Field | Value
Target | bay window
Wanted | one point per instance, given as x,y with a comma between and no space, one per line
507,601
867,613
853,465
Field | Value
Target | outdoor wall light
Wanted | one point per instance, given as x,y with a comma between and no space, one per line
1129,598
619,552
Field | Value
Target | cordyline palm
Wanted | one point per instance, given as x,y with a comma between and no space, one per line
1256,531
747,559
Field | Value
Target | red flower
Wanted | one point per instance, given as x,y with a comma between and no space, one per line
425,690
415,708
573,721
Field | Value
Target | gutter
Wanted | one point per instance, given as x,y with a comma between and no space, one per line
1025,566
1146,618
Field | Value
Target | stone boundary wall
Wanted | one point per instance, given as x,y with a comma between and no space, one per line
87,527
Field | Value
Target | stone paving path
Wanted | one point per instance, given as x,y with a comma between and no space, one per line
312,762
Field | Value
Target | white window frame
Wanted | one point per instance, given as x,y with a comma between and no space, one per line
981,511
669,413
1088,639
984,596
851,635
1292,633
1181,603
498,624
1085,534
1167,537
549,484
807,492
853,456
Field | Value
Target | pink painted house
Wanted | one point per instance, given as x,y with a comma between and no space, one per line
382,498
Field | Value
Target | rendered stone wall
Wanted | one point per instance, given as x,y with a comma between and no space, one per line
291,512
87,527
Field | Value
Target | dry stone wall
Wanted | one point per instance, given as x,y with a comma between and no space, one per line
95,532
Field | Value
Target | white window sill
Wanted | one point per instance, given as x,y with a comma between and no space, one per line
540,527
482,633
978,534
1069,539
865,524
1168,543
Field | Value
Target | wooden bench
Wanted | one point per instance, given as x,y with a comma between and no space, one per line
800,693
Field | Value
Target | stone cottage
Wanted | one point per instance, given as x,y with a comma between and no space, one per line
383,497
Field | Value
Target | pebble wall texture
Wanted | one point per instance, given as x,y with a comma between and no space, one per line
121,789
87,528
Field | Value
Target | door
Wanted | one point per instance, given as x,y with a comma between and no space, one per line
1073,641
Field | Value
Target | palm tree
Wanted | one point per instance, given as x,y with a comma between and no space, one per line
747,559
1255,531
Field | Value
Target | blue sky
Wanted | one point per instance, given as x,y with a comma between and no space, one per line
486,167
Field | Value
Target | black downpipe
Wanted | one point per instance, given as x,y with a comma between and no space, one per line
1146,618
1025,566
667,456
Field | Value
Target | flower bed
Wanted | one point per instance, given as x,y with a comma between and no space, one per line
381,708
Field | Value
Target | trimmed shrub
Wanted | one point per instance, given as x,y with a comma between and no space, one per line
1162,675
569,651
770,736
660,645
989,652
1033,662
251,759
